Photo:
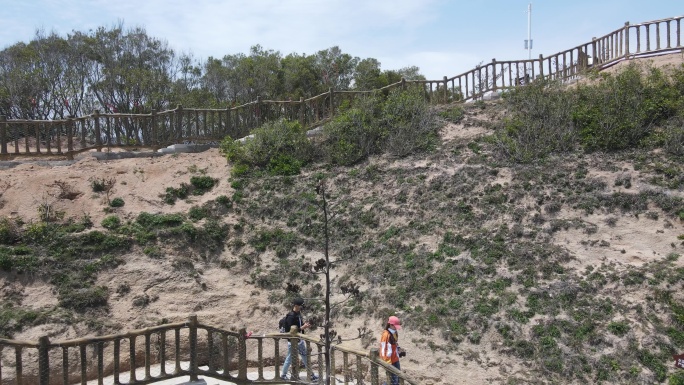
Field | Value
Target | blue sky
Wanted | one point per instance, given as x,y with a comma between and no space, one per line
442,37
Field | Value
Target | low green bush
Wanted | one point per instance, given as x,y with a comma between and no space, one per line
620,110
354,134
202,184
83,299
453,114
673,136
408,123
539,124
154,221
117,202
111,222
9,231
197,213
172,194
280,147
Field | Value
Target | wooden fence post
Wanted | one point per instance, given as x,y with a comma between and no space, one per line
403,84
192,325
541,66
179,121
229,123
36,129
242,355
294,352
302,108
19,365
594,52
98,138
153,122
332,104
625,31
494,73
446,92
43,360
374,354
70,134
257,111
3,134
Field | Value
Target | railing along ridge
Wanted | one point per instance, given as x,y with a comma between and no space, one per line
181,349
98,131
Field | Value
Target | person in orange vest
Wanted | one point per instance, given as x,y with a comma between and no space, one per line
389,346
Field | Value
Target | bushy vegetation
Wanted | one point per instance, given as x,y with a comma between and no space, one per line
637,106
199,185
280,148
399,124
354,134
469,254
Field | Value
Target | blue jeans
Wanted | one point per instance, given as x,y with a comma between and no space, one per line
394,377
301,346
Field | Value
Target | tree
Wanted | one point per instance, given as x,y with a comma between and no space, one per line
130,71
336,68
20,82
368,75
300,77
323,266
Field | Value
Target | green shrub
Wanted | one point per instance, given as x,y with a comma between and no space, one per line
284,164
620,110
80,245
202,184
654,362
197,213
117,202
153,252
540,122
9,231
408,122
111,222
354,134
676,378
673,136
275,146
82,299
224,200
98,185
155,221
453,114
172,194
619,328
18,261
13,319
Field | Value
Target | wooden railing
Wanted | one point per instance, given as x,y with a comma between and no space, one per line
631,41
178,350
68,137
158,129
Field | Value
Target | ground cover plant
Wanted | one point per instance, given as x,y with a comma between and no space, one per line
506,245
488,278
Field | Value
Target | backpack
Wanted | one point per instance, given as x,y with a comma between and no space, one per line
282,324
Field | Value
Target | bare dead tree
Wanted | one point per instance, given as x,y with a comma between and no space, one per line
323,266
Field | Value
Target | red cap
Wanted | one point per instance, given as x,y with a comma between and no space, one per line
394,321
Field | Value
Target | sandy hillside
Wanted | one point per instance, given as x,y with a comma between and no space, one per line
230,302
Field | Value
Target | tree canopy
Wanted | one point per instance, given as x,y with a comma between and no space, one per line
128,71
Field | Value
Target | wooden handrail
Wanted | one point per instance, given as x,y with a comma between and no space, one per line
217,355
22,137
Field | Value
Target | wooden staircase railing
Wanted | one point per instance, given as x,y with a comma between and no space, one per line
177,350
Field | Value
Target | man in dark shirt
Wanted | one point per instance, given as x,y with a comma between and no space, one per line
294,318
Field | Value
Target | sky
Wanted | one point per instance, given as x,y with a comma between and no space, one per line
441,37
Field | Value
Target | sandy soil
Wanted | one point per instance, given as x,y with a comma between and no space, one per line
221,300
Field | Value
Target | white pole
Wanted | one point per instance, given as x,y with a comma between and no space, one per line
529,31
